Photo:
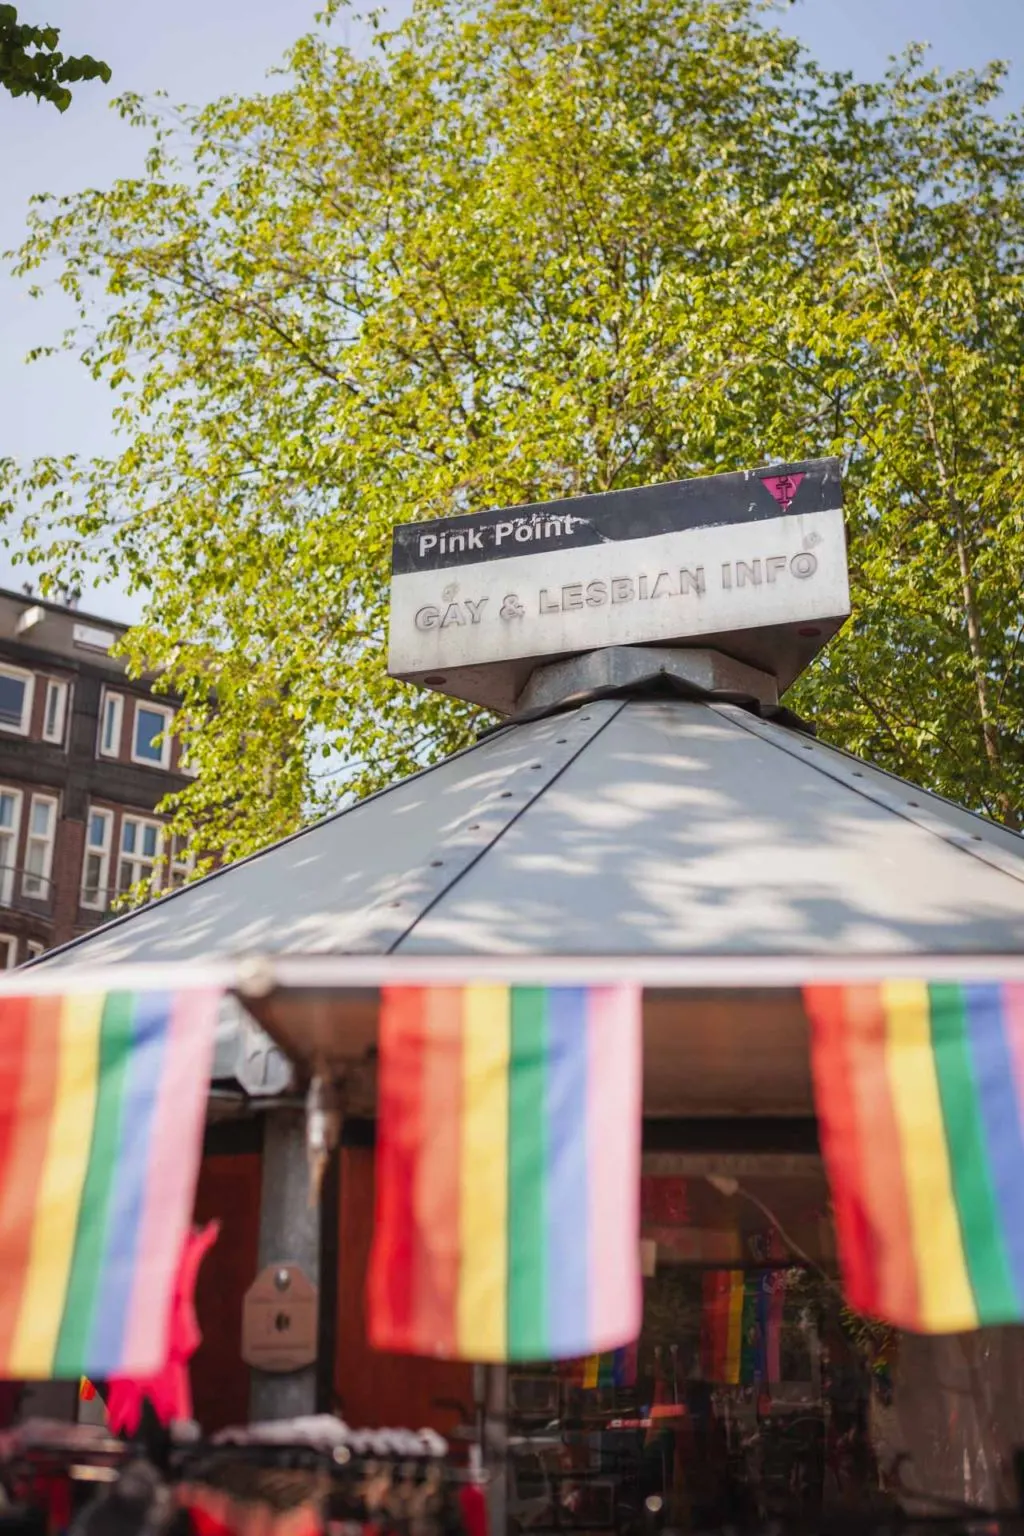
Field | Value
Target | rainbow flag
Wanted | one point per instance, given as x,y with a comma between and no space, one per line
753,1358
508,1173
920,1098
615,1368
102,1106
771,1312
741,1325
721,1341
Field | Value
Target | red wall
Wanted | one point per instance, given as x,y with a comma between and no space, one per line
370,1388
375,1389
229,1189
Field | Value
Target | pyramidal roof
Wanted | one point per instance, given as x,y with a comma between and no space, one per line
632,824
648,799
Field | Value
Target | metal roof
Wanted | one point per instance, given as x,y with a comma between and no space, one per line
640,826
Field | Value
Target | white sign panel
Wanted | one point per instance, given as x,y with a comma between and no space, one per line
690,561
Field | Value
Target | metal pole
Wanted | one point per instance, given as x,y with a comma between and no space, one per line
289,1234
495,1427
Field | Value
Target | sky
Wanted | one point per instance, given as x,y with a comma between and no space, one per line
199,49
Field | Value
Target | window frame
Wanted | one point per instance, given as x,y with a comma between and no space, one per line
28,679
34,948
62,689
102,898
8,872
141,822
10,943
178,866
45,878
165,746
117,700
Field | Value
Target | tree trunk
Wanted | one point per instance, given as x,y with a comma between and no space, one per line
1007,809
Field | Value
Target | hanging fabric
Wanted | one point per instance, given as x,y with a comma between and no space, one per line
102,1105
614,1368
920,1091
722,1325
508,1173
169,1391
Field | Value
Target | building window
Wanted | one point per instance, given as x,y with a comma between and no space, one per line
8,952
10,822
110,725
34,949
42,826
140,848
96,869
15,700
151,724
55,713
182,862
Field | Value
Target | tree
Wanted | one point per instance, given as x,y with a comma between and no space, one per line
528,250
31,63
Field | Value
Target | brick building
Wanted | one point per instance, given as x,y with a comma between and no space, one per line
83,765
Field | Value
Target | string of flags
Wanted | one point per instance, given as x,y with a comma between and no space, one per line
508,1174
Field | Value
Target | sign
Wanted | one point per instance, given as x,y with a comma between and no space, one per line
280,1317
756,559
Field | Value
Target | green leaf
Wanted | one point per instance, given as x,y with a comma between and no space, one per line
527,253
39,71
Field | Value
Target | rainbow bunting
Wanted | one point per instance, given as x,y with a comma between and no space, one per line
721,1341
741,1325
771,1313
752,1335
920,1099
508,1173
614,1368
102,1103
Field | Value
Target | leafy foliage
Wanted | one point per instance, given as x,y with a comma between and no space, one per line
876,1343
31,63
531,248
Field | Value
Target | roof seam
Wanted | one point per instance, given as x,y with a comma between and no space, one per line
954,805
991,858
541,789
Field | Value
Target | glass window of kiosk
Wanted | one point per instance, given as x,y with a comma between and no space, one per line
753,1393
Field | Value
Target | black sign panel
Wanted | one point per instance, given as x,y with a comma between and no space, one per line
715,501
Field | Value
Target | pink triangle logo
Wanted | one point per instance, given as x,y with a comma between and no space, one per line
782,487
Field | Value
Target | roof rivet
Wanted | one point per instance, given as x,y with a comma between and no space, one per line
436,864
